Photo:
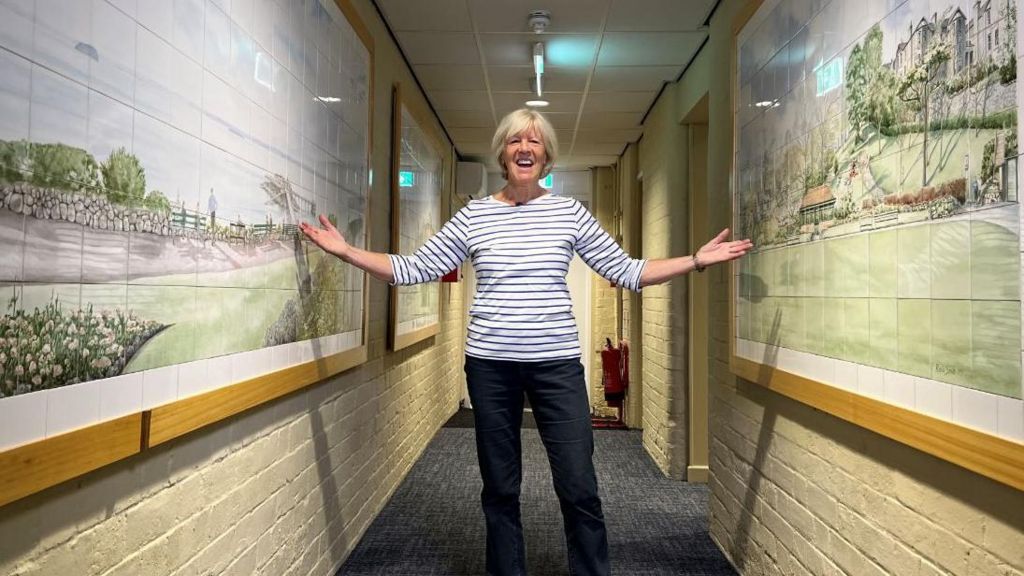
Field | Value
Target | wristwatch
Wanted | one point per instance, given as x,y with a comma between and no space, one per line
696,263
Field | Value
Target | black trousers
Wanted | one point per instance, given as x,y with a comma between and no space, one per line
558,396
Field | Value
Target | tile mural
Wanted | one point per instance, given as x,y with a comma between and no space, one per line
420,179
876,172
155,159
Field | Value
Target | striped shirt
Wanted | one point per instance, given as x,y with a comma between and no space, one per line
521,255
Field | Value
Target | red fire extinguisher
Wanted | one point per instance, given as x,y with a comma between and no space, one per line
615,374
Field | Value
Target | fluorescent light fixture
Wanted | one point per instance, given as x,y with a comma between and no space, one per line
327,99
767,104
537,103
538,58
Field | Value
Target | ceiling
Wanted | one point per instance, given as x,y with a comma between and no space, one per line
606,61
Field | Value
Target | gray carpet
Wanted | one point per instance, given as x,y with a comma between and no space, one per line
433,524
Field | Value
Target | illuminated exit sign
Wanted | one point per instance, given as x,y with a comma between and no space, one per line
548,181
829,76
406,179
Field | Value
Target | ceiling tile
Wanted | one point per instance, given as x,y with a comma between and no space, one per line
584,147
560,51
466,119
460,100
505,102
657,15
649,48
517,78
564,137
610,120
471,134
436,15
511,15
439,48
618,101
609,78
609,136
450,77
559,120
578,162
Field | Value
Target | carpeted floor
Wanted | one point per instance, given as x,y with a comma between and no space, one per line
433,524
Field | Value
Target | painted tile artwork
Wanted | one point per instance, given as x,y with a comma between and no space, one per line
876,171
155,160
419,188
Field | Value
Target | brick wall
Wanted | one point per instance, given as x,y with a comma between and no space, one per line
632,313
662,161
287,488
603,309
797,491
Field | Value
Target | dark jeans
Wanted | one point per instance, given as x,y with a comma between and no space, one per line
558,396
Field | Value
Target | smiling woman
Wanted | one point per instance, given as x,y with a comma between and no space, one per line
522,337
526,138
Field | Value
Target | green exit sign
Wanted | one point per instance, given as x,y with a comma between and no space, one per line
829,76
548,181
406,179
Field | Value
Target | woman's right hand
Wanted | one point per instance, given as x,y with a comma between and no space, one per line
327,237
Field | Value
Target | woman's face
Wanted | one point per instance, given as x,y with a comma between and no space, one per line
525,157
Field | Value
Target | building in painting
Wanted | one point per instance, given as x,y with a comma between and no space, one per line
817,205
986,37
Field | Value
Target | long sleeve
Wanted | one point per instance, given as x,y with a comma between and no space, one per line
441,253
600,251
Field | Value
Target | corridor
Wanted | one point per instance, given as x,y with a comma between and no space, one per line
433,526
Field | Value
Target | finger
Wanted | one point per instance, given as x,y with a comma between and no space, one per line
326,223
722,236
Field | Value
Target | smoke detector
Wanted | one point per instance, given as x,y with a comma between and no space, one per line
539,20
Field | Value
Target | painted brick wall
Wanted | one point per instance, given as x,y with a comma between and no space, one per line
603,310
287,488
632,313
662,160
797,491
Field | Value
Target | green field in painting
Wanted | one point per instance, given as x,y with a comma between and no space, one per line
209,320
937,300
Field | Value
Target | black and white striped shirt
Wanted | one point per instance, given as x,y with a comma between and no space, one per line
521,255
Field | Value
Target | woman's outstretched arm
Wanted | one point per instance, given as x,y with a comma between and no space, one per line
330,239
716,251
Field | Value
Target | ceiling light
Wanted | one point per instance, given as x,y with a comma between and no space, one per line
537,103
327,99
539,20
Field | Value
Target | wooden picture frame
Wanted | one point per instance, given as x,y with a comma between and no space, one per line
813,378
417,189
37,463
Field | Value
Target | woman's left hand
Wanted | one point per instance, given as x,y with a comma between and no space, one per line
721,250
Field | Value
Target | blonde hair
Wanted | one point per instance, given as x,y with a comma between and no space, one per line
521,121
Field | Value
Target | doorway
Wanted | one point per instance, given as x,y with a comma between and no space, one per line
697,462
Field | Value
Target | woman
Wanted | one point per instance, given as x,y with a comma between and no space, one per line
522,336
